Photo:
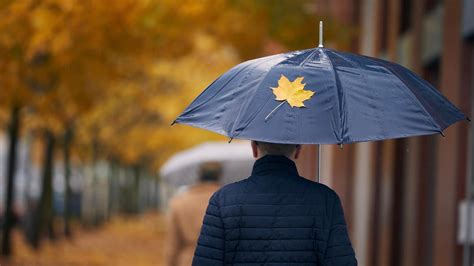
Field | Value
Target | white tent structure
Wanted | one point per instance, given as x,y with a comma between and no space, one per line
182,169
235,157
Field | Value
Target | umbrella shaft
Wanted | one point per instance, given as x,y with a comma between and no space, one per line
319,162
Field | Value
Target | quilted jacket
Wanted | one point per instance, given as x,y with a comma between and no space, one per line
274,217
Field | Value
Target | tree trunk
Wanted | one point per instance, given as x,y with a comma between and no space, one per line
13,132
67,186
96,220
29,201
136,189
112,190
44,212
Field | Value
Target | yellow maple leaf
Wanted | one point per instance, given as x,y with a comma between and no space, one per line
292,91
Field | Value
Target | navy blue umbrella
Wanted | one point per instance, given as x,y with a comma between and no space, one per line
320,96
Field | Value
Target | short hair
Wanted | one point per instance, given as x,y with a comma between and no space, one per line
210,172
268,148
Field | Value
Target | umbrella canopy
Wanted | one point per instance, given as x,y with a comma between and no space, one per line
183,168
320,96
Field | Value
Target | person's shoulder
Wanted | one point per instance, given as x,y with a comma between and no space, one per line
319,188
177,200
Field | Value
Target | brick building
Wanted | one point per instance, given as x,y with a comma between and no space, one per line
402,197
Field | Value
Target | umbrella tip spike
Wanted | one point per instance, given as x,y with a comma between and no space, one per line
442,134
230,140
340,146
320,34
172,123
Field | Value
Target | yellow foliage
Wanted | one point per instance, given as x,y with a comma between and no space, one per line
119,72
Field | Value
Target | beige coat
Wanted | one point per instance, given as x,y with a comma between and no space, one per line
184,223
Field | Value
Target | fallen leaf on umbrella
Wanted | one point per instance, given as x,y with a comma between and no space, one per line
292,92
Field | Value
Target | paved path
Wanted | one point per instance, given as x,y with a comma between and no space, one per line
133,241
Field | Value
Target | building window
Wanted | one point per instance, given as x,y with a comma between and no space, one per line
468,86
431,4
426,186
384,26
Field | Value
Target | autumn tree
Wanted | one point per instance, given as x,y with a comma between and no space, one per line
58,56
15,93
109,76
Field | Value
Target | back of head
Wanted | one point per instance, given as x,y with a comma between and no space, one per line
210,172
267,148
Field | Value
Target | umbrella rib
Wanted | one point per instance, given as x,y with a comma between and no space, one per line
215,94
340,97
416,100
308,57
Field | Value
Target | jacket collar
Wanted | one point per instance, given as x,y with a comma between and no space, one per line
274,165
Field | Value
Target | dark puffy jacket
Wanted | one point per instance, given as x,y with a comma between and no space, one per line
274,217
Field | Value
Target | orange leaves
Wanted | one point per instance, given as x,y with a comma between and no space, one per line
121,71
121,241
292,91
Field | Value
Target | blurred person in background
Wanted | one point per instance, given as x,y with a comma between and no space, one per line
274,217
186,214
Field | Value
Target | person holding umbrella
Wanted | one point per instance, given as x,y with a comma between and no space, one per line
314,96
274,217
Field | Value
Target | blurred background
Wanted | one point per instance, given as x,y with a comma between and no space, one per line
88,89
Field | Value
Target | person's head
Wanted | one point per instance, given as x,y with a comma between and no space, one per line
260,149
210,172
